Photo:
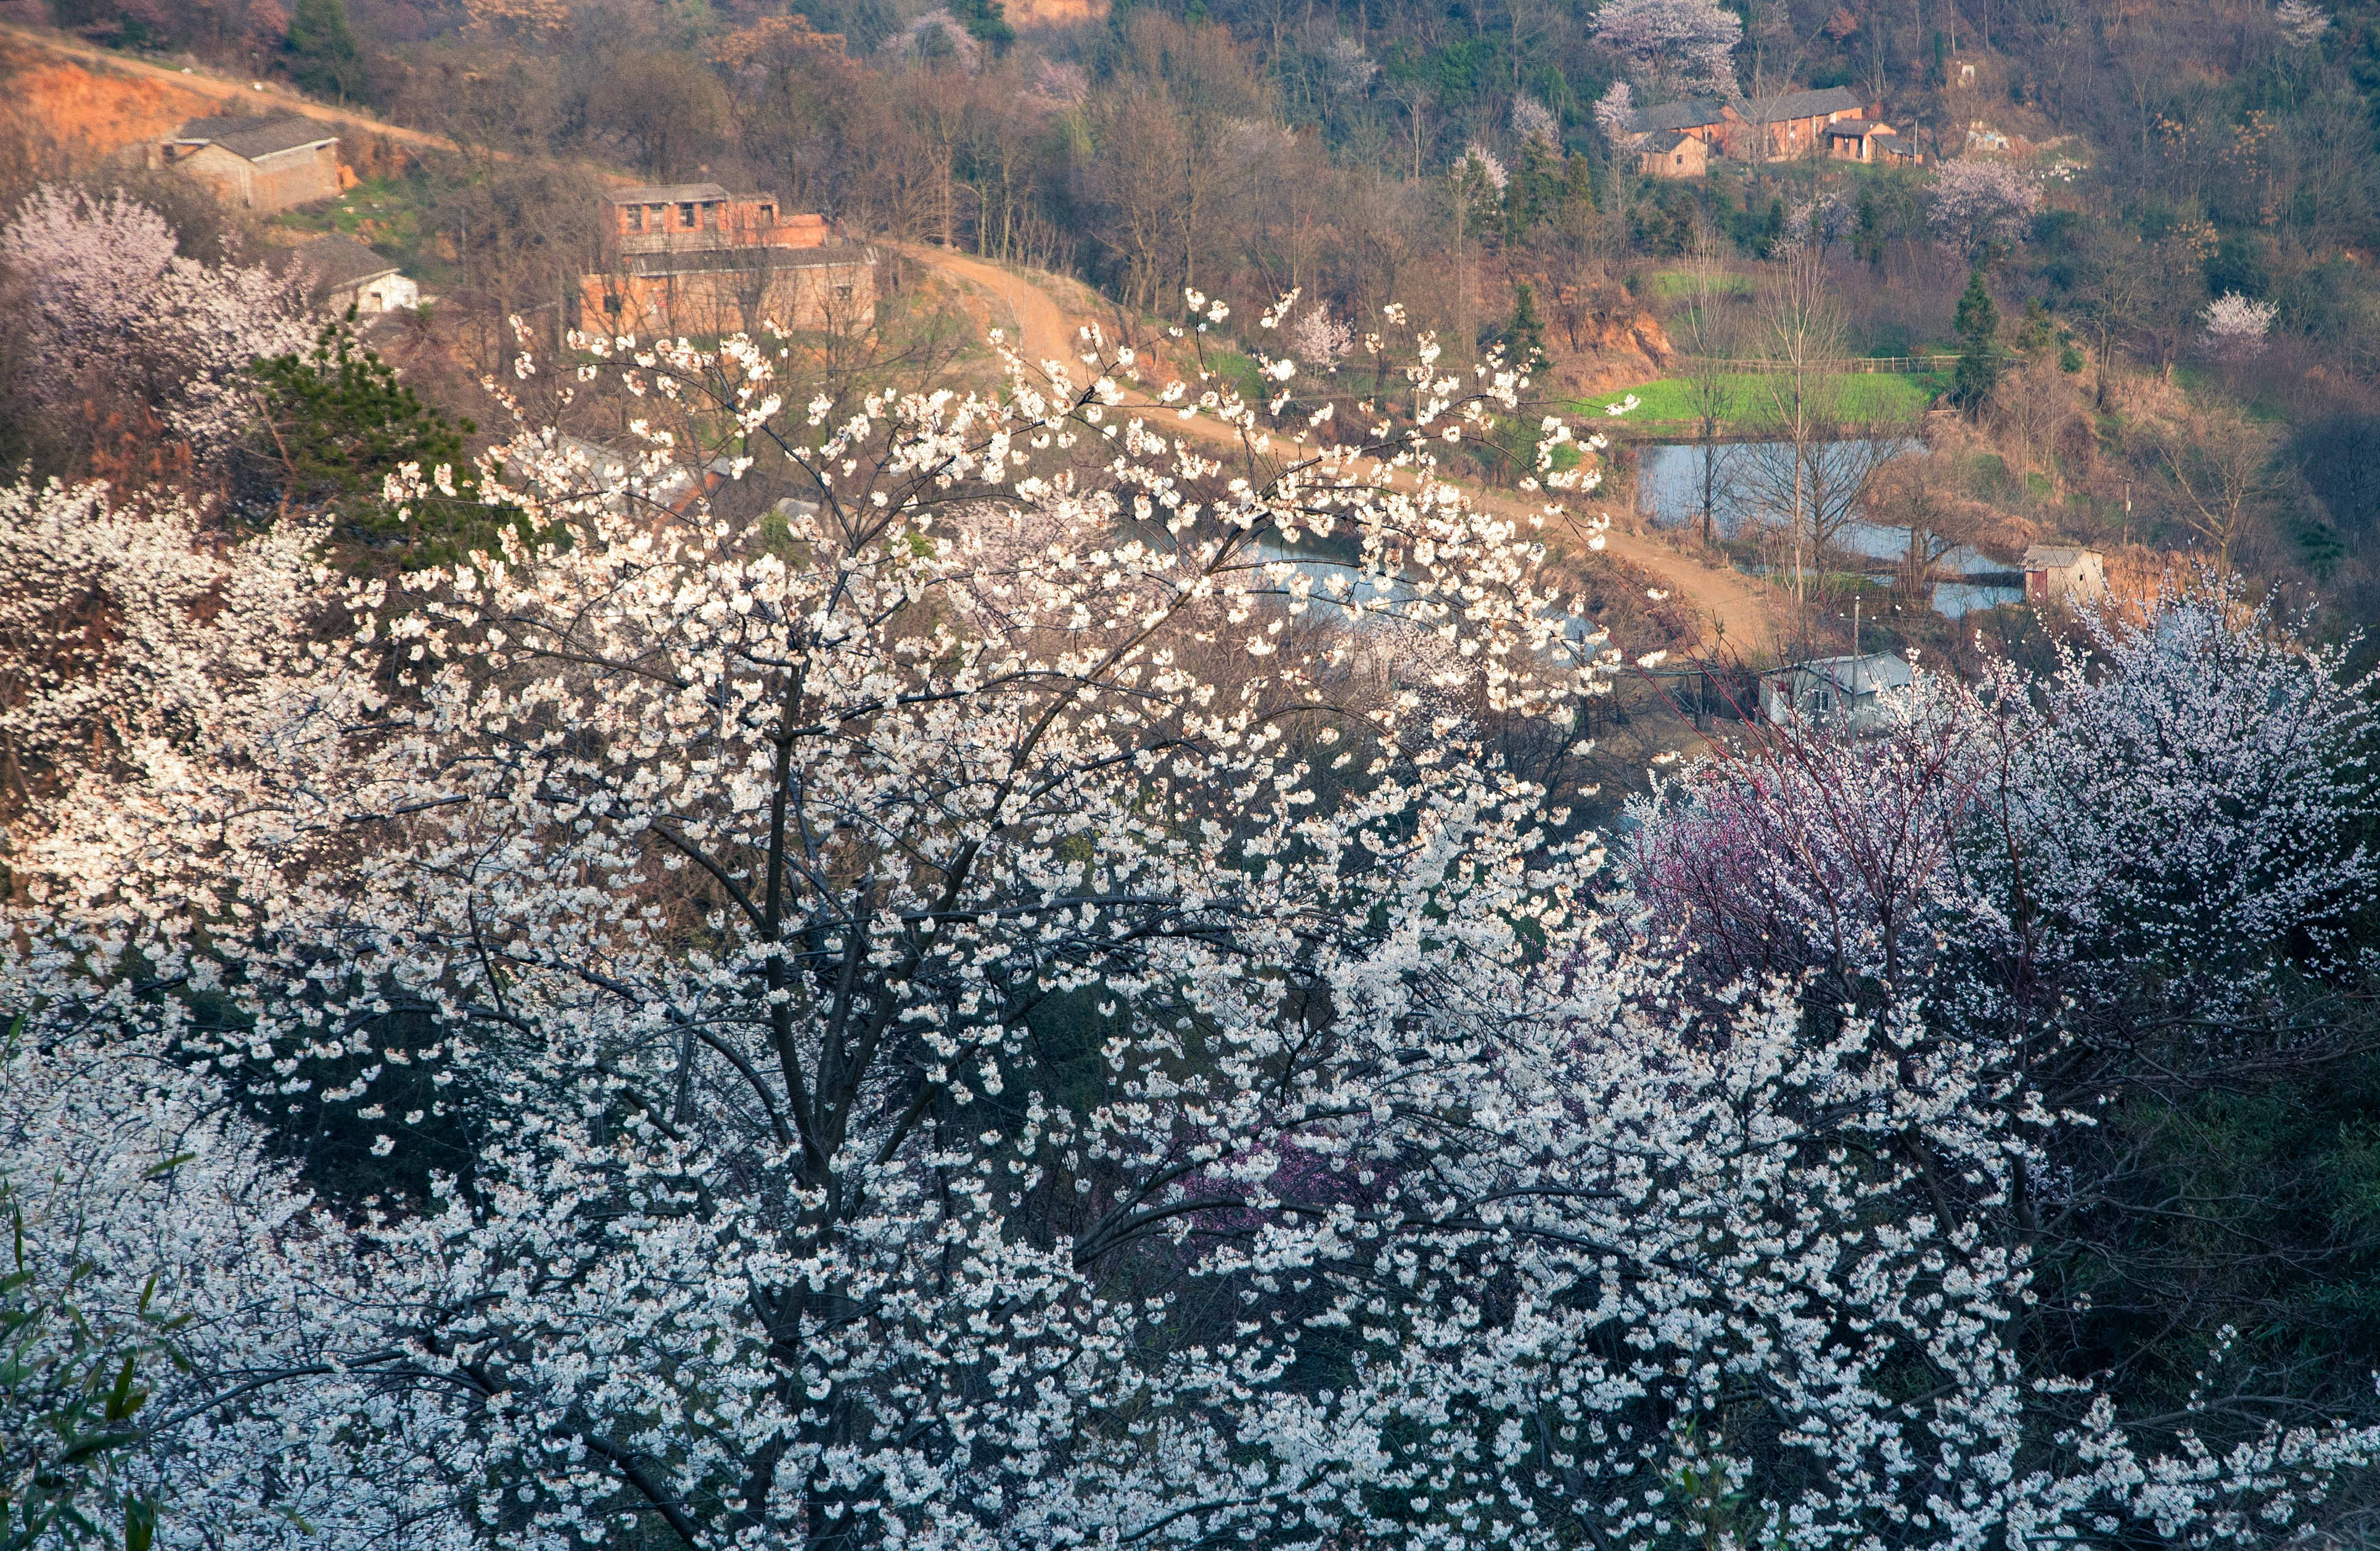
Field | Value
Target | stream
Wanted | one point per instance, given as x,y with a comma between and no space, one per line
1669,481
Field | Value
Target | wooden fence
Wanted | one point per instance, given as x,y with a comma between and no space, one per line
1907,366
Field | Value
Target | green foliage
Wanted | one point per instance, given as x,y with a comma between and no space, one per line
323,55
70,1384
1977,321
1524,337
336,424
987,21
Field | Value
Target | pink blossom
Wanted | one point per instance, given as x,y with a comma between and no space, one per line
1686,44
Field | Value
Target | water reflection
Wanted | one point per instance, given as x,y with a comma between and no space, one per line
1670,480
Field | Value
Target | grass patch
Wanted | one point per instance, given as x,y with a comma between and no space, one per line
386,214
1670,283
1860,396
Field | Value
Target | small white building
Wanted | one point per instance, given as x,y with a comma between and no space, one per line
2055,573
1834,691
347,273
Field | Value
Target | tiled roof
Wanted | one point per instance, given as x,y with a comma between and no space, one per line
1662,144
2045,557
1691,113
1801,104
667,193
337,262
256,138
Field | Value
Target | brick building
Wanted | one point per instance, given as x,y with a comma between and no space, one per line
264,164
1772,128
692,259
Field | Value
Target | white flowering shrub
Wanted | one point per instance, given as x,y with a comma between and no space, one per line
2236,326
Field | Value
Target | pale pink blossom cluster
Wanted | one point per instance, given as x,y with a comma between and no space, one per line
110,291
1977,203
1681,44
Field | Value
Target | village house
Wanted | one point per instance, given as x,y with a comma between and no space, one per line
343,273
1702,118
1773,128
692,259
264,164
1671,155
2058,573
1834,691
1793,124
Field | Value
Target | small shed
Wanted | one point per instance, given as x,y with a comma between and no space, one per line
1860,140
343,273
1834,691
1667,154
264,164
2058,573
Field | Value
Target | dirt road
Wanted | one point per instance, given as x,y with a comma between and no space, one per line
173,88
1734,612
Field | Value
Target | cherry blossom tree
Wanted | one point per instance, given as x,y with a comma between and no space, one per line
1001,1000
109,291
2236,326
1977,205
1676,44
1613,113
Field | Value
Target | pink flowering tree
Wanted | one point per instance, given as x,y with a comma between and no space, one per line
1675,45
1978,205
111,295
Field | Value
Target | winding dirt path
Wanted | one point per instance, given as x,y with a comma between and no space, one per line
1732,607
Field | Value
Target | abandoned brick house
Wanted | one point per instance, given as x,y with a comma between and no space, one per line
691,259
1829,122
264,164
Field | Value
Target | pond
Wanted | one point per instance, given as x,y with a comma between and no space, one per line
1669,493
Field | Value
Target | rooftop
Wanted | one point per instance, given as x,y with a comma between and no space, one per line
337,262
1691,113
668,193
1663,143
1862,675
2045,556
1801,104
256,138
1859,129
705,260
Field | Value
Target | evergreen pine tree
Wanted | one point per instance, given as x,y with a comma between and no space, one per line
1524,337
1979,365
323,59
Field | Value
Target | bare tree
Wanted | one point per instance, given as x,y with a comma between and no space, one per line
2223,474
1707,334
1804,336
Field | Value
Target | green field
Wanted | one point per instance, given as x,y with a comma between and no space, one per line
1856,396
1678,282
